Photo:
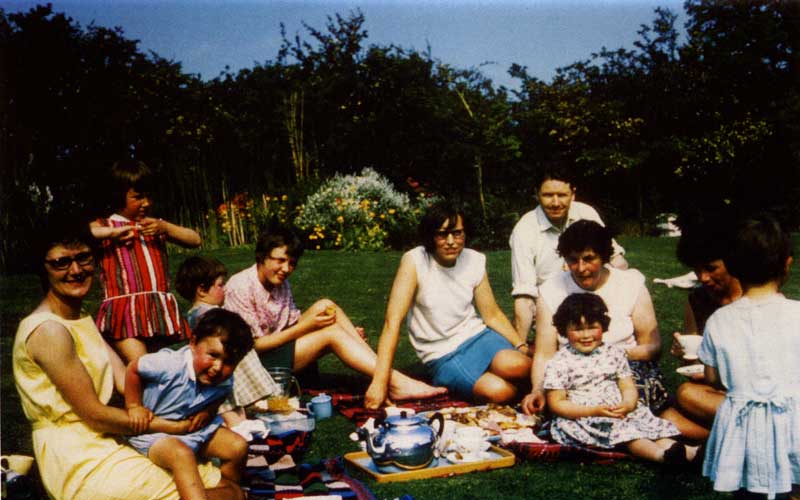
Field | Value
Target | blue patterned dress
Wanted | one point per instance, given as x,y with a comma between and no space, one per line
592,380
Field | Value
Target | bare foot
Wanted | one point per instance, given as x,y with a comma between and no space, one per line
409,388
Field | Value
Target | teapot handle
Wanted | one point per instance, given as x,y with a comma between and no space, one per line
439,418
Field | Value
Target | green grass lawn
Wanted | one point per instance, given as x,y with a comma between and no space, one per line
360,283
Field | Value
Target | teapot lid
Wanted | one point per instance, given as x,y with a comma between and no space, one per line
404,419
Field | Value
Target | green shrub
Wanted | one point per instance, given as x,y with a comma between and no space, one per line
359,212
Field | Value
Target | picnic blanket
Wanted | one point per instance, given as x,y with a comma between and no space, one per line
352,405
555,452
268,479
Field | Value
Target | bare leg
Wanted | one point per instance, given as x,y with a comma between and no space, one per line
494,389
130,349
233,417
358,355
171,454
687,427
231,449
700,401
225,490
511,364
647,449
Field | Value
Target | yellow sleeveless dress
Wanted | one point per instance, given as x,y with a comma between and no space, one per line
76,462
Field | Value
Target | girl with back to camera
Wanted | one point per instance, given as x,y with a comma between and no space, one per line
590,389
138,313
751,348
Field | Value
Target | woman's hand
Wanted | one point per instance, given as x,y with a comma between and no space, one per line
375,395
533,402
676,349
139,418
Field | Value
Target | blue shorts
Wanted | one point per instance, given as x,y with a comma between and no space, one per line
459,370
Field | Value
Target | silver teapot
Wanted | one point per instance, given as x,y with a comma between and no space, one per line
404,441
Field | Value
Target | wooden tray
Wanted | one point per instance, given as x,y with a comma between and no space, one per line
439,467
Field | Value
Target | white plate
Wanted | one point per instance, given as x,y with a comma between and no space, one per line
465,459
688,371
690,357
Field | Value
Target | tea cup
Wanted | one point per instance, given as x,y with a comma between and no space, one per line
470,440
690,345
321,406
21,464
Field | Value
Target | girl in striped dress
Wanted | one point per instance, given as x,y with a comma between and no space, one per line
138,313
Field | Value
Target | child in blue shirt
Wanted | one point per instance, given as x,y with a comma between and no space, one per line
179,385
201,280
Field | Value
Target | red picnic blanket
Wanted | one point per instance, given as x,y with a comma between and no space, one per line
352,407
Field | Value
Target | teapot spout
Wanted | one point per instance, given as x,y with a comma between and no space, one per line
372,449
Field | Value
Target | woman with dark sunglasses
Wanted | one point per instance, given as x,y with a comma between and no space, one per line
66,373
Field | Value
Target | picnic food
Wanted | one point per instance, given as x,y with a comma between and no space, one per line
330,310
492,417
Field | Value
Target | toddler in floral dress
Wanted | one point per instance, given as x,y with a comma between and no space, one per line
590,389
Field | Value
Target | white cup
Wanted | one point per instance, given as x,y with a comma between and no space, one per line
470,440
21,464
690,345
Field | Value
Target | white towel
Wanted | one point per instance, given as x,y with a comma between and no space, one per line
688,280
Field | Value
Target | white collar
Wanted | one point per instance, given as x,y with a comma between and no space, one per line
546,225
119,218
189,358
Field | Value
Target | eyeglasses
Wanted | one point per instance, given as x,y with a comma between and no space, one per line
457,234
283,260
84,259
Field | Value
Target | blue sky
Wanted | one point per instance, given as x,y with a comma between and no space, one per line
206,35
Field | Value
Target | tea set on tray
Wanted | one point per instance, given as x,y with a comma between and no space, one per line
407,441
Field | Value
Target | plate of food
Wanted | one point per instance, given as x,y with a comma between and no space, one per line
691,370
455,457
492,418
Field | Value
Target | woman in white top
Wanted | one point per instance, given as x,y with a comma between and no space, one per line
586,248
437,288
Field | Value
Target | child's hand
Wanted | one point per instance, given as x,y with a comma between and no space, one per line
619,411
199,420
139,418
608,411
361,332
152,227
123,233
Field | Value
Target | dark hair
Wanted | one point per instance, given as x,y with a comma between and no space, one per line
759,251
556,169
436,215
277,237
705,241
585,234
233,331
586,306
196,272
67,229
124,175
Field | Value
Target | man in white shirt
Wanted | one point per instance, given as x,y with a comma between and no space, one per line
533,242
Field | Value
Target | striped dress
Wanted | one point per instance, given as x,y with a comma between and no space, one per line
136,297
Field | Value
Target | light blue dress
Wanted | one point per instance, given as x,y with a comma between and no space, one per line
755,441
